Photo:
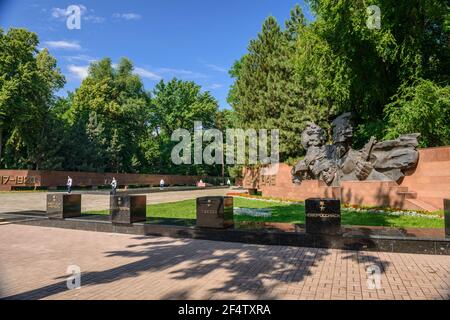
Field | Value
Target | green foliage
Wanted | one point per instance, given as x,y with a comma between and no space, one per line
110,123
108,112
265,94
226,119
395,79
235,172
335,64
176,105
28,80
323,76
422,107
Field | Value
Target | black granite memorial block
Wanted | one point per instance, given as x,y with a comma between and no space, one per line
447,217
215,212
62,206
128,209
323,216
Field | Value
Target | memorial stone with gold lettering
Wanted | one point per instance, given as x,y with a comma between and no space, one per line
128,209
323,216
215,212
62,205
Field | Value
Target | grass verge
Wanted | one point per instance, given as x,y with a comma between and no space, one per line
289,213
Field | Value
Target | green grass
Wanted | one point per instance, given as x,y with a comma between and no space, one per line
289,213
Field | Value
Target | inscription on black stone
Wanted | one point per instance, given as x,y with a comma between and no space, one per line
128,209
62,206
447,217
215,212
323,216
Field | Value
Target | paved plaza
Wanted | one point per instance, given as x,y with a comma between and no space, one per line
36,201
34,261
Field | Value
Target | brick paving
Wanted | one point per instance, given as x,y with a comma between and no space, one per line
34,261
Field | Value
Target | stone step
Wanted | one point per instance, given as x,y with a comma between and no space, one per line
416,204
408,194
5,220
400,189
437,202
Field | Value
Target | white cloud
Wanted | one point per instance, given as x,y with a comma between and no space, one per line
79,72
67,45
59,13
81,57
216,67
86,15
146,74
182,73
214,86
93,18
62,13
127,16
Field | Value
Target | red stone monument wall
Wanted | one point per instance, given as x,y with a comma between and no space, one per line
423,188
10,179
430,180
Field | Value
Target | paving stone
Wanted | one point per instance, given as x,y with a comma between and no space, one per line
34,263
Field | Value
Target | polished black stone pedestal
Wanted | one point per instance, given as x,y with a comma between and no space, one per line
447,217
215,212
323,216
128,209
62,206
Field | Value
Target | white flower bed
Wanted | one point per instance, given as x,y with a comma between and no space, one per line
371,211
269,200
394,213
263,213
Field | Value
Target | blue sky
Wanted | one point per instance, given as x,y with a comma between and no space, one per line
189,39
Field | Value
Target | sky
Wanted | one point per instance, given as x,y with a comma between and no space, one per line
196,40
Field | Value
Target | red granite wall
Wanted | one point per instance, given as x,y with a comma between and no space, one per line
10,179
431,178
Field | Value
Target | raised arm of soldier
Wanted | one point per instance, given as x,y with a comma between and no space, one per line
363,167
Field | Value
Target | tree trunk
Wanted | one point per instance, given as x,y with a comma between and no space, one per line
223,165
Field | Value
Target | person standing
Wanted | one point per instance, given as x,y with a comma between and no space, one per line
228,183
69,184
114,185
161,184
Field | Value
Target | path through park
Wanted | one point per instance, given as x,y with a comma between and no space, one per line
34,261
36,201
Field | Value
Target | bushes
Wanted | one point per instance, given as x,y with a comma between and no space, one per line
422,107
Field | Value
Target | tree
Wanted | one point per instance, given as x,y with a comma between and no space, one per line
265,95
110,112
322,76
176,105
411,44
314,71
28,80
423,107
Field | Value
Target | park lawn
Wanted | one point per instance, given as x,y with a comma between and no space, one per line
288,213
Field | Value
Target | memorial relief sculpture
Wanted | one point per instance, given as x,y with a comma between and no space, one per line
333,163
316,164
